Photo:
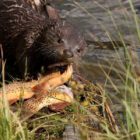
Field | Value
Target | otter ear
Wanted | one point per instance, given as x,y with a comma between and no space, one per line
52,13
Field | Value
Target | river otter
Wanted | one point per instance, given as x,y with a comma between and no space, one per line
35,37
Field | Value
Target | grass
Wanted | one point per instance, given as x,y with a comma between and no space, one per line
88,113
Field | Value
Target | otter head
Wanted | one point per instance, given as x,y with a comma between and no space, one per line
61,42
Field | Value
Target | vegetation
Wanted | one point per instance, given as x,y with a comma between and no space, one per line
90,113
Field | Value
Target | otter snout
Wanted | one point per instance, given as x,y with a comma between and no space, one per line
68,53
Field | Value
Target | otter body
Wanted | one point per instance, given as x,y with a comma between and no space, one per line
33,36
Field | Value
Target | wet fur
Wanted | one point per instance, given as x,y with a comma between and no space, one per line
33,35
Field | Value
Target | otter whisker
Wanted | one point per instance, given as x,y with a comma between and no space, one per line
36,34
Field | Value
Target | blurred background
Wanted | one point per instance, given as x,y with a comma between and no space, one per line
108,26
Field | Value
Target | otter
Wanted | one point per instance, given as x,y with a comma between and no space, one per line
34,36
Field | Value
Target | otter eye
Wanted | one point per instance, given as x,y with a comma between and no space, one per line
60,41
78,50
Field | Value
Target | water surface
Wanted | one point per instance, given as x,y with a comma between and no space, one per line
103,21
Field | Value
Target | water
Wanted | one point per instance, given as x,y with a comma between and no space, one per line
102,21
94,16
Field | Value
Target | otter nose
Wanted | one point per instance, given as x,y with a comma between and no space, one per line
68,53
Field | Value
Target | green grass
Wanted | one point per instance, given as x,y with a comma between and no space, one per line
85,112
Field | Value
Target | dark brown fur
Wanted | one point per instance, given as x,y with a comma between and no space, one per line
33,37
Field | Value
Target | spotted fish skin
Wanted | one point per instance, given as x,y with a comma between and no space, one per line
61,96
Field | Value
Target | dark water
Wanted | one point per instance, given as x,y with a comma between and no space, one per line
102,21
